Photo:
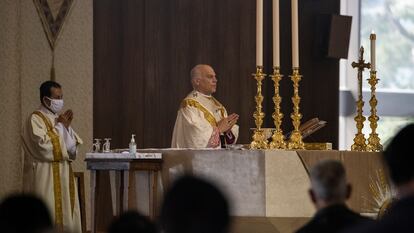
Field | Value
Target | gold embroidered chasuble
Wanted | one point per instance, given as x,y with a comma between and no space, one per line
196,119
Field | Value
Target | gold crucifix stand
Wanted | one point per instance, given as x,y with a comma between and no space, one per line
359,140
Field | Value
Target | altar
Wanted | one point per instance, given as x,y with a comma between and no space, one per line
267,189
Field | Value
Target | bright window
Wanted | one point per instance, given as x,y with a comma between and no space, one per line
393,22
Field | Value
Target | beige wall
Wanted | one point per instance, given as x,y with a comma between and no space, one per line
25,61
10,109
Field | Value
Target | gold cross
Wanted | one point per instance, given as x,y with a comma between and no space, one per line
361,65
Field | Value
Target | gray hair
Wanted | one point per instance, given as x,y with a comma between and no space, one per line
196,71
328,179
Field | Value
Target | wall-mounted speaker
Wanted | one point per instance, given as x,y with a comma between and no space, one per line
332,36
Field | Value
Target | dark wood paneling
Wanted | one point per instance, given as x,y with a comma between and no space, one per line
144,50
319,87
119,62
320,83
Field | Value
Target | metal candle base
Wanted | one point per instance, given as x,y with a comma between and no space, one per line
295,141
374,142
278,139
259,140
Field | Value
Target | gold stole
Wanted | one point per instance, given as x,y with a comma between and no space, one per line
57,158
207,114
218,104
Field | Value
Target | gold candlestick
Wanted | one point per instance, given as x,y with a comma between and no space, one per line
259,139
359,140
278,139
295,141
374,142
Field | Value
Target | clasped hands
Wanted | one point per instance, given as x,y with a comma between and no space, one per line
225,124
66,118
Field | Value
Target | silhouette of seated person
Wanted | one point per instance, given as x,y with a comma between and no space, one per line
329,191
23,213
132,222
193,205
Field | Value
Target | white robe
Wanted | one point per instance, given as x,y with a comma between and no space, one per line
38,168
195,121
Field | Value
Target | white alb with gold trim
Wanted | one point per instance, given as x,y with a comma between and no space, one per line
38,167
197,116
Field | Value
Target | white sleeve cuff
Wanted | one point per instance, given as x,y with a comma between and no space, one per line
68,137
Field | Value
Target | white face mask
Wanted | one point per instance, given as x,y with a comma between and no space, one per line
56,105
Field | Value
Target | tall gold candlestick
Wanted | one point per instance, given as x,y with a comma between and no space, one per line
259,139
295,141
374,142
278,139
359,140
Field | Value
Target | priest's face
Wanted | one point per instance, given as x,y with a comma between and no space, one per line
207,82
55,93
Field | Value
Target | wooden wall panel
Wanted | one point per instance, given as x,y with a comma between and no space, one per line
144,50
320,83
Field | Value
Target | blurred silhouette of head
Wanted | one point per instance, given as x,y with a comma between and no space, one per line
132,222
399,158
194,206
329,184
23,213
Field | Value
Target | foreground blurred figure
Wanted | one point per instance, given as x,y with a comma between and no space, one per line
22,213
132,222
329,192
194,206
399,159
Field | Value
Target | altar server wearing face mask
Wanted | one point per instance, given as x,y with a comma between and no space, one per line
50,145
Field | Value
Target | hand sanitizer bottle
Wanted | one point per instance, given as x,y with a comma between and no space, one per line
132,146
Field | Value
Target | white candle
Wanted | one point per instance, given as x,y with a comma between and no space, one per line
259,33
372,37
295,34
276,37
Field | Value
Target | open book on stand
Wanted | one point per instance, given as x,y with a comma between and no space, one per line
309,127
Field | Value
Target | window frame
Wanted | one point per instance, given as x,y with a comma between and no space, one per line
387,99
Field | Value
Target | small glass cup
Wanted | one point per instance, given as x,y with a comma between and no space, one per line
107,145
96,146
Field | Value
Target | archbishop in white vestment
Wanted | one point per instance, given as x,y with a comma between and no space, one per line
202,121
50,147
